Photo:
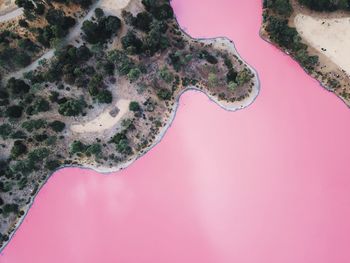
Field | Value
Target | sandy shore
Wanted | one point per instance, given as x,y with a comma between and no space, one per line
330,37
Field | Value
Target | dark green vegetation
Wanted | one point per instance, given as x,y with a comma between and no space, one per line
326,5
143,58
102,30
276,16
19,45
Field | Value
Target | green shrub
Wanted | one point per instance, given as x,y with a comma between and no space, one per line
57,126
134,106
18,149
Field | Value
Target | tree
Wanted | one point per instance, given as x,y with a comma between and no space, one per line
83,53
104,96
122,143
10,208
134,106
40,9
243,77
166,75
77,147
71,107
14,111
325,5
94,149
143,21
21,59
17,86
32,125
57,126
156,39
23,23
164,94
99,32
231,76
132,43
18,149
134,74
282,7
52,164
99,13
40,105
212,80
232,86
5,130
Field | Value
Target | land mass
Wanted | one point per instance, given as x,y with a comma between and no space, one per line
315,34
96,84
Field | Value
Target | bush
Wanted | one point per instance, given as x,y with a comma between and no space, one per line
14,111
122,143
231,76
10,208
326,5
57,126
40,105
71,107
52,164
134,106
94,149
17,86
164,94
104,96
134,74
282,7
18,149
34,125
166,75
132,43
100,32
99,13
143,21
5,130
77,147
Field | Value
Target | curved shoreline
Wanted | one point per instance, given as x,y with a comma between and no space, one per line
284,51
228,106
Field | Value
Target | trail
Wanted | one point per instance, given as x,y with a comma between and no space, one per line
11,15
73,34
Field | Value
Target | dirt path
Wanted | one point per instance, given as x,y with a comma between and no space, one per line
11,15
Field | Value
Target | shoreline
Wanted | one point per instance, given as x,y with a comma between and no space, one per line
228,106
264,35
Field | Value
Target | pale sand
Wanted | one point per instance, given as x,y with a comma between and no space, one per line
113,7
104,121
11,14
7,6
331,37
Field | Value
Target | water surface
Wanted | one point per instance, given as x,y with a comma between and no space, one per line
267,184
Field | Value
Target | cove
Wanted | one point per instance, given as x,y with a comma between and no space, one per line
270,183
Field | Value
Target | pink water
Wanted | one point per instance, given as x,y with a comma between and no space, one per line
268,184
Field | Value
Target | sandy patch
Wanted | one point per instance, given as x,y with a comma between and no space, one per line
106,120
113,7
331,37
11,15
7,6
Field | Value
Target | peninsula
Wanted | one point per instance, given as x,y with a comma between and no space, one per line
96,84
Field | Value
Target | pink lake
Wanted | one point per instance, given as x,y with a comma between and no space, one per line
267,184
